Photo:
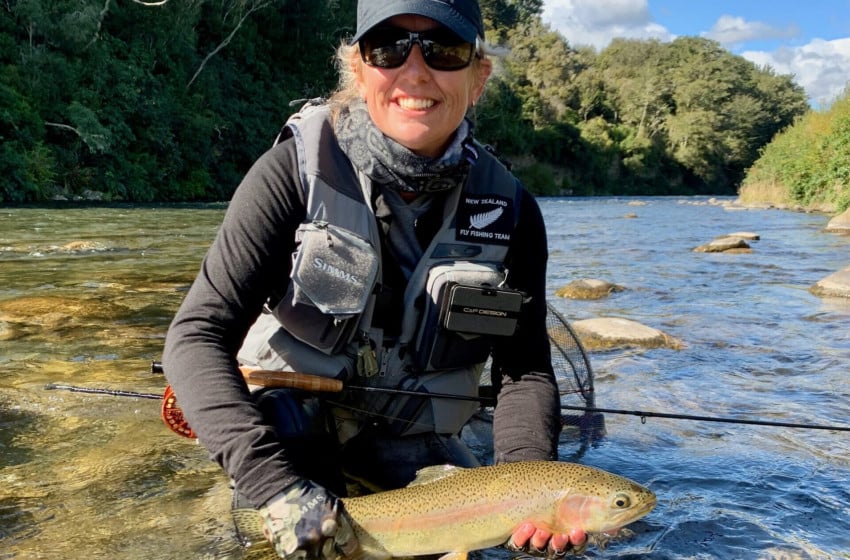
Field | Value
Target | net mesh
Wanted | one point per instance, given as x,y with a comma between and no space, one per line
570,362
575,378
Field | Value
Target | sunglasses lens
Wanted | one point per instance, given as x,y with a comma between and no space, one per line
445,50
385,47
389,47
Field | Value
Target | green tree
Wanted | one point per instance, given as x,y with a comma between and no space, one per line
175,100
162,102
541,65
636,73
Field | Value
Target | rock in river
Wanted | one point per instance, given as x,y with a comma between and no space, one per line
603,333
588,288
836,284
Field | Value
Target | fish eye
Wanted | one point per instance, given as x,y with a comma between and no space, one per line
622,501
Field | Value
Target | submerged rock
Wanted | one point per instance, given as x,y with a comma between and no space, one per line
82,246
7,331
588,288
53,311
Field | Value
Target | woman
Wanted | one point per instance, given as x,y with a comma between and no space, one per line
378,243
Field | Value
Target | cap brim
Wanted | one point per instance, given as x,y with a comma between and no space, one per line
438,11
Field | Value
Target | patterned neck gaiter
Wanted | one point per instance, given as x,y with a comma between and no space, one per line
388,163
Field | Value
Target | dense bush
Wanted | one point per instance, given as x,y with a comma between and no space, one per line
808,163
173,101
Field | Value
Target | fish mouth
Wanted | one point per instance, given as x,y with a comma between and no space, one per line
600,539
646,508
632,515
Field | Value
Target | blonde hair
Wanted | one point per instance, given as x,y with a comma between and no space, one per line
348,64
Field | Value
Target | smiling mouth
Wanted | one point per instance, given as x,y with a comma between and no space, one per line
415,104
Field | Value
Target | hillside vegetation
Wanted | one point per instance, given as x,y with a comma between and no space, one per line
807,165
174,101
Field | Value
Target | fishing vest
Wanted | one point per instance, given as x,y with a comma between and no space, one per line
455,301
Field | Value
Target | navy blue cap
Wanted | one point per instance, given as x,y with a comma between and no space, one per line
461,16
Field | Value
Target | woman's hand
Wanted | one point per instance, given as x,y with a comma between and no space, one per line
540,542
305,522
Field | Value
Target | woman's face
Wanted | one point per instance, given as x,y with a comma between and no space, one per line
415,105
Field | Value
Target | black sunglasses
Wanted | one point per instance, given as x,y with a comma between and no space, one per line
389,47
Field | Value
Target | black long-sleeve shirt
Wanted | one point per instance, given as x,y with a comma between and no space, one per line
249,260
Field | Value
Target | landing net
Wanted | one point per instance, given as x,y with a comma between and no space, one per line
575,376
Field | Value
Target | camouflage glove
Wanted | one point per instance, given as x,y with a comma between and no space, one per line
305,522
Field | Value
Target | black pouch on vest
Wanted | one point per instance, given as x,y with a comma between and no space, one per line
480,309
333,274
464,310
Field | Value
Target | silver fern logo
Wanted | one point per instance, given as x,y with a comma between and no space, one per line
484,219
486,215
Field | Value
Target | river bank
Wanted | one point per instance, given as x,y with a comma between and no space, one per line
769,195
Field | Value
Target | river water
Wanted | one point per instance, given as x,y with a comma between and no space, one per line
86,295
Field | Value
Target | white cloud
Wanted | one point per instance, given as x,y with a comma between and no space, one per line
730,31
596,22
821,67
612,12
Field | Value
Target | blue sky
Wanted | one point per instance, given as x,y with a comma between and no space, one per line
809,39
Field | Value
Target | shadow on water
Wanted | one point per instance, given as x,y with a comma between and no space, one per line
14,423
16,521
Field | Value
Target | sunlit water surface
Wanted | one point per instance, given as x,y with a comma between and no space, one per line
86,295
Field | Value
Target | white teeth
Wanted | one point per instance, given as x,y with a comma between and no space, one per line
415,103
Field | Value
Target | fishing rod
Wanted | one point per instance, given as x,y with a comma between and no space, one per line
173,416
101,391
264,377
749,421
483,399
312,382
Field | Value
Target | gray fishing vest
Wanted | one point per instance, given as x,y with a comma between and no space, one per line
454,302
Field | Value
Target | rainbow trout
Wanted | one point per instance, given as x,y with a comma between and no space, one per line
451,511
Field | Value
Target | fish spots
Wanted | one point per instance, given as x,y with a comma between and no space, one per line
468,509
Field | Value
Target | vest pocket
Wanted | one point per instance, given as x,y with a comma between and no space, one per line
327,333
333,273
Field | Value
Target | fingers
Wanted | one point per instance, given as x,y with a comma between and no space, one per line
578,537
344,538
308,523
560,542
575,542
522,535
539,541
329,527
536,541
529,538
